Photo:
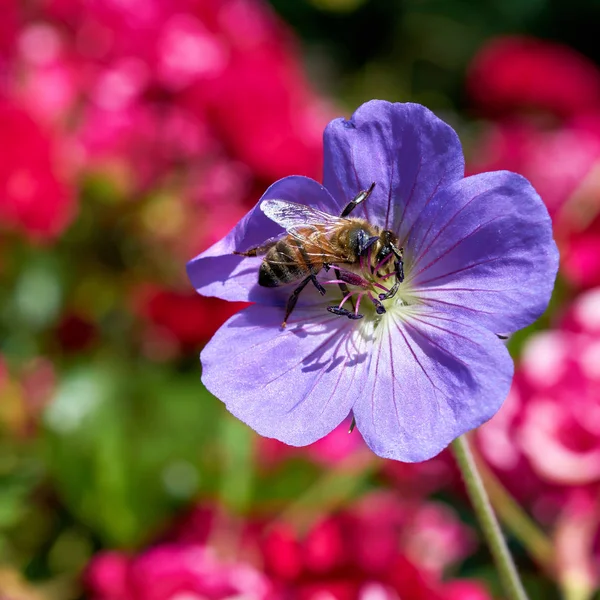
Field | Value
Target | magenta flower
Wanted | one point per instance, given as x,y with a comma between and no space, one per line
424,364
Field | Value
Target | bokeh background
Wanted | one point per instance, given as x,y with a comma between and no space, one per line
135,133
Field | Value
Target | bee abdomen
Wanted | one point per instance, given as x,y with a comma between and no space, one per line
284,263
267,277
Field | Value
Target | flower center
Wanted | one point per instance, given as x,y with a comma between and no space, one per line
372,286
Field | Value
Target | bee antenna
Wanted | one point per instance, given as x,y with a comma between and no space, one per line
360,197
364,194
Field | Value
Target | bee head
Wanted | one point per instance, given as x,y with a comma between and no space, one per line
361,240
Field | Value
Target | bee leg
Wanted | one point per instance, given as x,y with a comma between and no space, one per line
316,283
360,197
291,303
344,312
257,250
399,270
399,266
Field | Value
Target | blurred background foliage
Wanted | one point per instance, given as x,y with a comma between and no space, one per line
133,135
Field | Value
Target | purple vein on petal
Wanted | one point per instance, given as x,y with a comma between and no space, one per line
478,264
394,380
447,224
358,184
333,359
399,328
344,339
283,334
433,301
354,371
449,331
315,350
412,191
445,290
389,203
433,220
455,245
378,347
432,342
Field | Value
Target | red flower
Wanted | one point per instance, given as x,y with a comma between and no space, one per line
184,316
34,196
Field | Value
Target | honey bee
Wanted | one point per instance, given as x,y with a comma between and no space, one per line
316,240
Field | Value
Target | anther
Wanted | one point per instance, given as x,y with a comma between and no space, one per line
379,308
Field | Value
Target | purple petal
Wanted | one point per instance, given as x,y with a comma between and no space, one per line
430,378
404,148
295,385
217,272
483,249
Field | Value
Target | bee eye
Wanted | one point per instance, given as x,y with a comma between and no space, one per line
361,241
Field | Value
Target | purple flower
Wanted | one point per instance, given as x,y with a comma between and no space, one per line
478,259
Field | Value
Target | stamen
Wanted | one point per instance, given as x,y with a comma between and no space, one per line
379,308
360,297
345,298
333,281
381,287
383,261
365,279
352,278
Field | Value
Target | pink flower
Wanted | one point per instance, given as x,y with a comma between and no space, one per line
556,161
337,446
277,128
171,571
106,576
148,91
35,198
577,558
47,74
400,548
545,441
419,480
564,166
517,73
583,316
9,25
561,156
466,590
560,429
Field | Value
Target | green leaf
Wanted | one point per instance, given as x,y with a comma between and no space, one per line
127,447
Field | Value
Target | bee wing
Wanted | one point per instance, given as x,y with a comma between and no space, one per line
298,219
291,215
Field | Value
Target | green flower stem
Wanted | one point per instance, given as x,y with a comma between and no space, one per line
487,519
516,520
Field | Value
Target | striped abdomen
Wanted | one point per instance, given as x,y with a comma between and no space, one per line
287,261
